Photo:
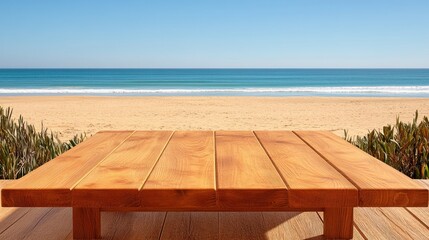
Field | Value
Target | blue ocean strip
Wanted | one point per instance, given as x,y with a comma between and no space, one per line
216,82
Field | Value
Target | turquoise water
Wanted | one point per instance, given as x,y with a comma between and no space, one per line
236,82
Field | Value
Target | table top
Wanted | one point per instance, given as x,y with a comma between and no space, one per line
215,170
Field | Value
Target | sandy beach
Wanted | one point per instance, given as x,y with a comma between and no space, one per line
72,115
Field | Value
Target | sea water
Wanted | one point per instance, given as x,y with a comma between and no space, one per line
216,82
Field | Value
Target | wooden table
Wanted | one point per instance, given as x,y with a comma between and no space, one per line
214,171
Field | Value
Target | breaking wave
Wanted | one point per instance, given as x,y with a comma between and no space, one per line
363,90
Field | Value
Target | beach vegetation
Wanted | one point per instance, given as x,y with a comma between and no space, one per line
404,146
23,148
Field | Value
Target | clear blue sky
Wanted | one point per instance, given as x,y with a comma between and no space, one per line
216,33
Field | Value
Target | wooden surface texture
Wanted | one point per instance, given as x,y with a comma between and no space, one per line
379,185
56,223
214,170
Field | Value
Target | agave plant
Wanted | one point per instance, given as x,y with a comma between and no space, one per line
404,146
23,148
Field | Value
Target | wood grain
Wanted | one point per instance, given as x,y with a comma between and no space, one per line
184,175
389,223
338,223
40,223
379,184
356,232
3,184
86,223
311,181
271,171
50,184
116,181
242,225
292,225
191,225
421,213
132,225
246,176
9,216
423,182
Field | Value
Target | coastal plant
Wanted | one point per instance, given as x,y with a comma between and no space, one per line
404,146
23,148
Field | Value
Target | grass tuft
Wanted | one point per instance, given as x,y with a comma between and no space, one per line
404,146
23,149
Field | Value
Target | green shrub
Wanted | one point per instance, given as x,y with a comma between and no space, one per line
404,146
23,149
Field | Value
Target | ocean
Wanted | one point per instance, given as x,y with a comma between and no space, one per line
216,82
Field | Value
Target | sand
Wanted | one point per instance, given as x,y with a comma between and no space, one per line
73,115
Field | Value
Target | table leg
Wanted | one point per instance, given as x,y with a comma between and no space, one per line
338,223
86,223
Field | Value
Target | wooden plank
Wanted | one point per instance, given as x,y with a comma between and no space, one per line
50,184
421,213
41,223
378,184
116,181
311,181
270,225
9,216
3,183
184,175
56,223
389,223
191,225
246,176
132,225
292,225
241,225
423,182
426,182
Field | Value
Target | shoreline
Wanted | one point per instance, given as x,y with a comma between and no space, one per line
71,115
217,96
411,91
